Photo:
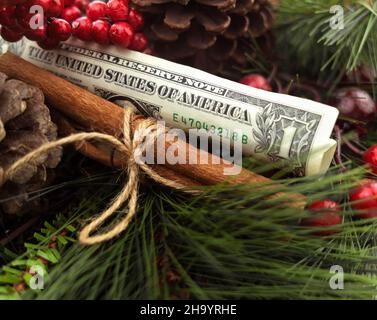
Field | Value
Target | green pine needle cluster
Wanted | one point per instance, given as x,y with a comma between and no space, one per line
229,242
305,34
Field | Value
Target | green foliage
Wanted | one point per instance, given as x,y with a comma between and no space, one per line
229,242
40,254
306,36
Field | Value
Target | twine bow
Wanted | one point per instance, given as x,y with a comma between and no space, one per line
127,147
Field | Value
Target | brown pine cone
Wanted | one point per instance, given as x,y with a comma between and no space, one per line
205,34
25,124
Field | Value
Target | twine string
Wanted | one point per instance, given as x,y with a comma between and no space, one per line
128,147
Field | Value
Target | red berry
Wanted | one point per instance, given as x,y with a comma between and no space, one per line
96,10
326,214
121,34
256,81
8,16
135,19
82,28
10,35
55,8
82,4
355,103
49,43
21,10
68,3
370,157
365,200
117,10
71,13
139,42
324,204
17,28
36,34
59,29
100,31
23,16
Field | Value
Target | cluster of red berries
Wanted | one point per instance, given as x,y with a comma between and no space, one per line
358,104
327,213
113,22
363,200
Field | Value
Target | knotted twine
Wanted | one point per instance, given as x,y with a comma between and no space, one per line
128,147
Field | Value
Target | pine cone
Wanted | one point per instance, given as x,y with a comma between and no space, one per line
25,124
205,34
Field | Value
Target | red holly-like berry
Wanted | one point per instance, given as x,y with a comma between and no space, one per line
325,214
55,8
21,10
36,34
82,28
139,42
355,103
117,10
49,43
17,28
23,16
135,19
364,199
10,35
370,157
82,4
71,13
59,29
256,81
121,34
100,31
8,16
68,3
96,10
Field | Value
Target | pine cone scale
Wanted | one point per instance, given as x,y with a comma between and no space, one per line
25,124
198,28
178,18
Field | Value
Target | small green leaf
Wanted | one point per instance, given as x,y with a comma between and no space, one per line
49,227
19,262
48,255
71,228
35,262
12,296
39,237
62,240
12,271
9,278
27,277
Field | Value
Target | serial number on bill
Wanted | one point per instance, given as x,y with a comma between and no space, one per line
190,309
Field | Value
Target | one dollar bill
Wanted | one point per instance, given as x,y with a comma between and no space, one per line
274,127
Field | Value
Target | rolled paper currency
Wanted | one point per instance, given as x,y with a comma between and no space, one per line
271,127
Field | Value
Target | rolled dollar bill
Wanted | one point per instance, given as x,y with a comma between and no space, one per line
271,127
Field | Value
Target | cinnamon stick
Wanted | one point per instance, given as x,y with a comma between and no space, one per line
101,115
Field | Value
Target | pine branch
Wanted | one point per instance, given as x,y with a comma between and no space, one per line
306,35
227,243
